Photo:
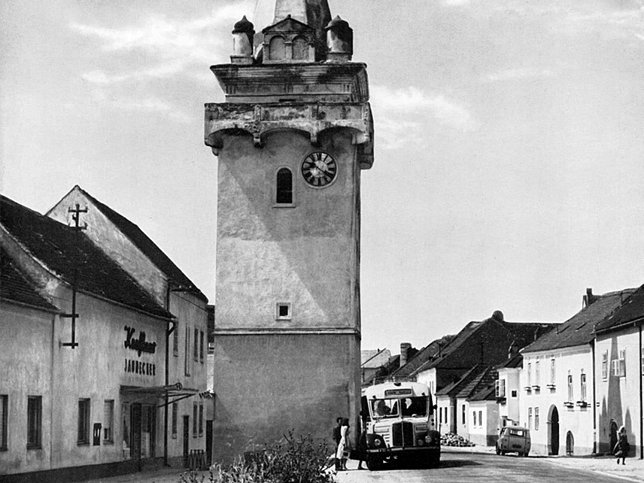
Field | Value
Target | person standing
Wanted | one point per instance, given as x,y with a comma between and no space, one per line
342,445
622,447
337,436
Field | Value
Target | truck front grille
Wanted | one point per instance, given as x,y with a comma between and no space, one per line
402,434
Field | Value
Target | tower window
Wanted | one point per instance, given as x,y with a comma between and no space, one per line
284,187
283,311
300,49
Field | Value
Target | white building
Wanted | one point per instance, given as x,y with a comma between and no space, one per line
556,384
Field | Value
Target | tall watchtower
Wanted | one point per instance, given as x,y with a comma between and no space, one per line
291,138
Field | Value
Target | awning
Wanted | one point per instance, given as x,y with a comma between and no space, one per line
173,392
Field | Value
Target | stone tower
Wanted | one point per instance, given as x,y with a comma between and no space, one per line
291,138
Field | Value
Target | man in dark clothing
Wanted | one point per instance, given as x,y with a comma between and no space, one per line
337,436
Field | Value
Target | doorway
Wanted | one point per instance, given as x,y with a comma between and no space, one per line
135,431
553,429
613,435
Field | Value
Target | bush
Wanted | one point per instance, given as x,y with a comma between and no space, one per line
294,460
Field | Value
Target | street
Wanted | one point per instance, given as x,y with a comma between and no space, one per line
466,467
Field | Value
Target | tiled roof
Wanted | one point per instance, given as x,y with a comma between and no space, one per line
579,329
15,287
514,361
384,372
63,250
148,247
486,394
482,380
427,353
630,310
455,387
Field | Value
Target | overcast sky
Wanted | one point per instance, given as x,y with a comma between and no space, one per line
509,162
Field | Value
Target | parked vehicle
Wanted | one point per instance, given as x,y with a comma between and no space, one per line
399,424
513,439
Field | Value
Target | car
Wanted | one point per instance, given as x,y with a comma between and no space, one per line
513,439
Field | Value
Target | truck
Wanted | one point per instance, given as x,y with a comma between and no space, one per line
398,424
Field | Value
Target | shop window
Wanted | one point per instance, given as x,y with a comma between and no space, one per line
34,422
175,412
83,421
4,408
605,365
194,420
108,420
284,187
201,345
200,419
175,339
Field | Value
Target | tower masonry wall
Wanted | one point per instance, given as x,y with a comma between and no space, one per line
305,254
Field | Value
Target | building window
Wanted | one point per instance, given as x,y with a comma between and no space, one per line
175,410
83,421
201,345
463,413
175,339
583,386
529,418
194,420
108,420
570,388
536,419
473,418
200,419
283,311
605,365
537,375
481,418
300,49
284,187
195,348
622,363
187,352
4,409
514,393
440,415
34,422
529,374
553,372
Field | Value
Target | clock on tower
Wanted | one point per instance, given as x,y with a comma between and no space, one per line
291,139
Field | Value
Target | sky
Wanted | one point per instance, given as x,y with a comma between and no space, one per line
509,142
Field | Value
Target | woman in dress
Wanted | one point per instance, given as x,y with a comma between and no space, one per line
622,447
342,445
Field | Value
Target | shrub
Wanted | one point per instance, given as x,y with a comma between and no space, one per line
294,460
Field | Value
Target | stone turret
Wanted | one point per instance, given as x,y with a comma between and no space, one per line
339,40
243,33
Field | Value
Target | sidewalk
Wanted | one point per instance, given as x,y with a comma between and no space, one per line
164,475
633,470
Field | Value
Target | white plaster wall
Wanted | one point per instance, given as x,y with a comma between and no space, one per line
577,420
25,359
619,397
511,408
485,430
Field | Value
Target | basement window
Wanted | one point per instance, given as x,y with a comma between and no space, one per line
283,311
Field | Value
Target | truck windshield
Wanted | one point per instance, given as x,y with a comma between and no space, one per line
389,408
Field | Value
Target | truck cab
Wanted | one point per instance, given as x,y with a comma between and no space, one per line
398,423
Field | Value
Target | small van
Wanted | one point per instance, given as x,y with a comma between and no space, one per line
514,439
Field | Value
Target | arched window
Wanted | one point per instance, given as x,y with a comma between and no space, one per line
284,192
277,49
300,49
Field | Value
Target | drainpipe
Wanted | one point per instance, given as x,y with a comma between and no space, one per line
166,383
641,354
592,346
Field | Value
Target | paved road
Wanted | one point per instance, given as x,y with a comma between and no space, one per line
467,467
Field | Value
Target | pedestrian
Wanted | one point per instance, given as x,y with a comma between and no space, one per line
341,453
621,447
362,442
337,436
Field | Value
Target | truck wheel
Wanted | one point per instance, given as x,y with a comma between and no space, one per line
374,463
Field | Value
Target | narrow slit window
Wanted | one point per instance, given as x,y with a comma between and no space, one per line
284,186
283,311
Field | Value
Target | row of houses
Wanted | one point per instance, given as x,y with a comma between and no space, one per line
572,383
104,345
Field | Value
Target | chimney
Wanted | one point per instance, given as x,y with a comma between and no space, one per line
589,298
404,351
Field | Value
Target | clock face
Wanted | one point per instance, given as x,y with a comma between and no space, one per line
319,169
